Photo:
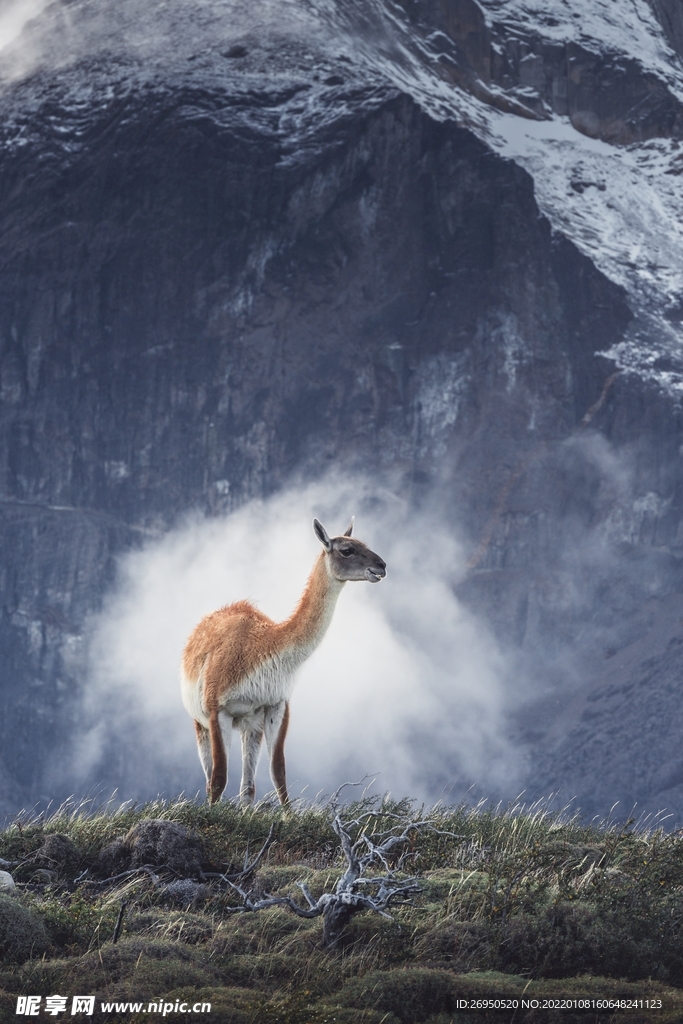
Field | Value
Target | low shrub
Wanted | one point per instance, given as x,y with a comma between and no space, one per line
22,933
411,995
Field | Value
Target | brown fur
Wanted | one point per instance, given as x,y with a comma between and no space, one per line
278,759
233,641
243,662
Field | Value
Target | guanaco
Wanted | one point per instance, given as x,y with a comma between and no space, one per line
238,666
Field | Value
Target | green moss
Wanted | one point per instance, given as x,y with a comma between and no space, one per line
135,968
442,883
457,945
411,995
73,921
259,933
234,1005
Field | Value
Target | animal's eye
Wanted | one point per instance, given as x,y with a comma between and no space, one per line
346,551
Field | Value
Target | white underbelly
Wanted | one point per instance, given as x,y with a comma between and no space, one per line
267,686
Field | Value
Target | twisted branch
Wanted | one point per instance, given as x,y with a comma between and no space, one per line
351,893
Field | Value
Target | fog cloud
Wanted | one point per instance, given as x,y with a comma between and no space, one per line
14,18
406,683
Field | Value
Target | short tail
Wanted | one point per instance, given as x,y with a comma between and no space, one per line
219,761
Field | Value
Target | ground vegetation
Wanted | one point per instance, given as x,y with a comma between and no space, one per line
186,901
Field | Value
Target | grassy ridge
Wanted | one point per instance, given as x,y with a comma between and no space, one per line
514,903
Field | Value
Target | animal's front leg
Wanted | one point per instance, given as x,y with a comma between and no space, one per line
204,748
277,720
251,729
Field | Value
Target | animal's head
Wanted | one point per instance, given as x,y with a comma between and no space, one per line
348,558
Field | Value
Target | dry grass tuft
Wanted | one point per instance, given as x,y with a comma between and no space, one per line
512,899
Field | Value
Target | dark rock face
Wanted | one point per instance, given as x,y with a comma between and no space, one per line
670,15
632,705
605,96
209,285
200,299
57,562
195,321
514,67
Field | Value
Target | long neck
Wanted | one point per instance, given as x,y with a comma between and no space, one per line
306,627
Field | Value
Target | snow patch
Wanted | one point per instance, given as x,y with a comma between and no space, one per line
442,381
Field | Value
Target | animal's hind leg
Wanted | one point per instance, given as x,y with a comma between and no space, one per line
251,729
277,721
220,734
204,748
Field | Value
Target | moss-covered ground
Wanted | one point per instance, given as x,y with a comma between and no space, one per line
515,905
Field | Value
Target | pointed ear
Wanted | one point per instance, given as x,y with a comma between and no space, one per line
347,533
321,534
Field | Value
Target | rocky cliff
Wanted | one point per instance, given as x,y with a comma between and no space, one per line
416,239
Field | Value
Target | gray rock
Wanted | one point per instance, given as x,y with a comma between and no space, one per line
7,883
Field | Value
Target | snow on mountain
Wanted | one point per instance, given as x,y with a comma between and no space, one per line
622,205
626,27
